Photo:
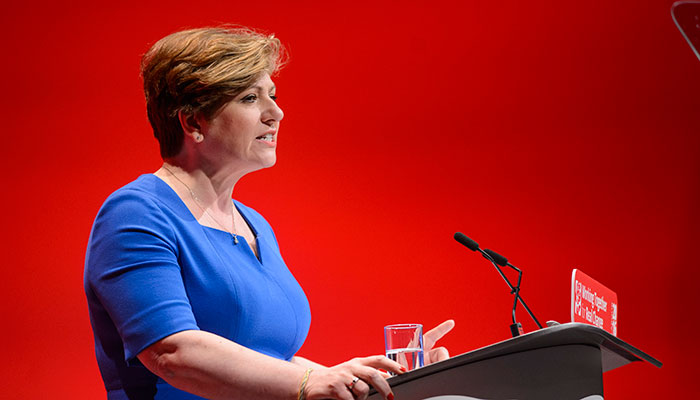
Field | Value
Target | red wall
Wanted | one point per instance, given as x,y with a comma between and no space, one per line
563,135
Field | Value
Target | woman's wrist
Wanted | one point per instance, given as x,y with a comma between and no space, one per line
302,386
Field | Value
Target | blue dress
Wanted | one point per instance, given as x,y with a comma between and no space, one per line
152,270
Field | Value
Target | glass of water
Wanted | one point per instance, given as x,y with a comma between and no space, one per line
404,344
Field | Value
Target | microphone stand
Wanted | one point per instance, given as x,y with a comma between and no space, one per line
519,297
516,328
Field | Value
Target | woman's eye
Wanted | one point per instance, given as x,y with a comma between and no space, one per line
250,98
273,97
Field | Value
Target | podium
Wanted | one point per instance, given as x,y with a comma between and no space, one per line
561,362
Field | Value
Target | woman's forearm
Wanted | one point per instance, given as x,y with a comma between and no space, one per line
216,368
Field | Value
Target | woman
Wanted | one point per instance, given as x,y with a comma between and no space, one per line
187,291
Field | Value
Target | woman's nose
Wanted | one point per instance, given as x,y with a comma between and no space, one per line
278,113
273,112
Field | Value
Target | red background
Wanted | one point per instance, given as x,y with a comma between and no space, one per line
560,134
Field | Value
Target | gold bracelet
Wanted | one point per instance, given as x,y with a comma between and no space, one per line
302,395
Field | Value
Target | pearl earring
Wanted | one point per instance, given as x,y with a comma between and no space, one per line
198,138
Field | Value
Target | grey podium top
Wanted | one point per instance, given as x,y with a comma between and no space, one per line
614,351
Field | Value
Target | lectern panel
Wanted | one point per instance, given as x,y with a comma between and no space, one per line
561,362
556,373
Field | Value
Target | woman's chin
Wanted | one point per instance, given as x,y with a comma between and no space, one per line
267,163
270,163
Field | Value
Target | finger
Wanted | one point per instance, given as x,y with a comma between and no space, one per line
433,335
383,363
342,392
360,390
344,395
341,389
436,355
373,377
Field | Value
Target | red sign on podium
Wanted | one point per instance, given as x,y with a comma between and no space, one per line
592,303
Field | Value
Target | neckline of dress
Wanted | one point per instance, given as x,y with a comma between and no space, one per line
236,204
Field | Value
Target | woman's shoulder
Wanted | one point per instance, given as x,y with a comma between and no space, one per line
147,188
131,218
146,196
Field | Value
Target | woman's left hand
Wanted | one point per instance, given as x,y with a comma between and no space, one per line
434,354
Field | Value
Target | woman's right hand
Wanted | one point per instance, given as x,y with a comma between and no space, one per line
337,382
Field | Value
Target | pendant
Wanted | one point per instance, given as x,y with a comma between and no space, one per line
235,239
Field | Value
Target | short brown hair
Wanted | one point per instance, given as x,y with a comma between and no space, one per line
200,70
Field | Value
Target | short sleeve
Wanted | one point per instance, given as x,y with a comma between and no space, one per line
132,269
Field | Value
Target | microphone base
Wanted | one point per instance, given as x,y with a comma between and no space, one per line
516,329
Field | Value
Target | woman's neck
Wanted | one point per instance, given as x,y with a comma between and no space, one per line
212,188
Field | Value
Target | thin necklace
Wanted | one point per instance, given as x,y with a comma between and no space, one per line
199,204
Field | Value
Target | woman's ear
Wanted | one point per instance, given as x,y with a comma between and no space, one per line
190,125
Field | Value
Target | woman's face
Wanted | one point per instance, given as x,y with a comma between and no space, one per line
244,132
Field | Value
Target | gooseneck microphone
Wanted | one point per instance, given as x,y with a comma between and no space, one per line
474,246
497,259
462,238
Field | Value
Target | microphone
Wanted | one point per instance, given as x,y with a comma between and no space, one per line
497,259
474,246
470,244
